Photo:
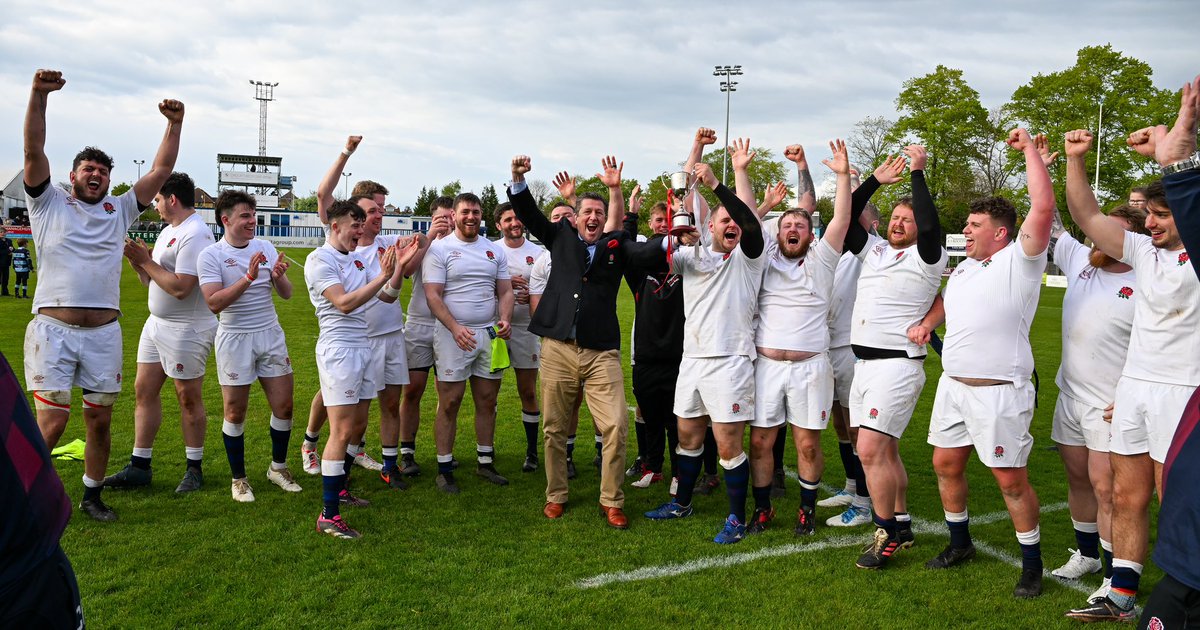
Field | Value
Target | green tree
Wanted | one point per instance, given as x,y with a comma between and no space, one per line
1068,99
424,201
305,204
765,171
870,142
489,200
941,111
452,189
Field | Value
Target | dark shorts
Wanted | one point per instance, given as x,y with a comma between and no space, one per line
47,597
1173,604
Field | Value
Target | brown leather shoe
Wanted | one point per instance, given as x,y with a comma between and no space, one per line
553,510
615,517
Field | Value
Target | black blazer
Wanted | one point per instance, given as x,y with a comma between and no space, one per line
577,294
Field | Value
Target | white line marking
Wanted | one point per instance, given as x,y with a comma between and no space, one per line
920,525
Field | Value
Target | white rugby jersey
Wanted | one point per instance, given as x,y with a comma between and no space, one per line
895,290
382,317
1165,344
841,303
539,275
1097,315
324,268
520,263
80,247
226,265
468,272
720,297
989,307
793,301
177,250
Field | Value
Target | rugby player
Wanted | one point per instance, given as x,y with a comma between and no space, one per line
985,398
177,337
339,288
897,284
75,337
793,380
418,339
523,346
1160,371
716,377
237,277
468,289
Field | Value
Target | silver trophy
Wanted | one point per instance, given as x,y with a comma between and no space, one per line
682,222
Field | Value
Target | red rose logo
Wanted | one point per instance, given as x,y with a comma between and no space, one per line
529,260
1183,259
737,408
179,367
999,452
358,265
172,242
1125,293
108,207
490,255
380,250
874,413
822,415
898,255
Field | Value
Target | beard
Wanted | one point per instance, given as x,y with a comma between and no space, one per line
80,190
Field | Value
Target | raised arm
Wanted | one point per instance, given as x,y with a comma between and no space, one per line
806,195
704,137
752,243
37,166
1182,189
333,177
887,173
566,187
740,156
164,160
835,231
774,196
630,222
1035,229
929,229
524,205
1109,236
610,176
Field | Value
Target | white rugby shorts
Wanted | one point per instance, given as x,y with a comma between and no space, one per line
418,345
245,357
455,365
721,388
800,392
181,351
1145,417
524,349
994,419
59,356
346,377
389,359
885,393
842,360
1077,423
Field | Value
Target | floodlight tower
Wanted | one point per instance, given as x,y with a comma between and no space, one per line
263,93
728,87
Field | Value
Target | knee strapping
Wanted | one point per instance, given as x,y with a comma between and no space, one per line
52,399
99,399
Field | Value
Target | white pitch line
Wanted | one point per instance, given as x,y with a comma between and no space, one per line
846,540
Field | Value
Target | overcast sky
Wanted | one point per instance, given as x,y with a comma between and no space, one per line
445,91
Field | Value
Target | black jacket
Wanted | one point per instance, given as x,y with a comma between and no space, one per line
578,295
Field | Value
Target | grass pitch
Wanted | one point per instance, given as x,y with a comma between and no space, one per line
488,558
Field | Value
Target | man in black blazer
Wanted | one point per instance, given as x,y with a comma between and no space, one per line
577,319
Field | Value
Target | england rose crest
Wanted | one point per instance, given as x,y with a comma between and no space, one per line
529,260
358,265
1125,293
108,207
490,255
874,413
1183,259
737,408
998,453
172,242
